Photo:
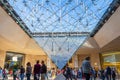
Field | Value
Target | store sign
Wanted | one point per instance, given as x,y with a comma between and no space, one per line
14,59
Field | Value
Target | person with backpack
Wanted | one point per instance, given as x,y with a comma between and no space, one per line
86,68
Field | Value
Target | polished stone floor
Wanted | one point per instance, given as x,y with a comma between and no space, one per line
11,78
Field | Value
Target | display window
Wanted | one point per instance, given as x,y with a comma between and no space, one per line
111,59
13,59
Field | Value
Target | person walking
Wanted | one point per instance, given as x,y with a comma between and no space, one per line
15,70
22,72
102,74
28,70
113,73
69,73
80,73
86,68
1,74
43,71
36,71
108,73
4,72
53,73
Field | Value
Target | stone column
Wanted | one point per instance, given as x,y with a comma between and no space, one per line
2,58
48,63
95,60
75,61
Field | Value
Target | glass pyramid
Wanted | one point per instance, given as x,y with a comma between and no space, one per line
60,49
60,27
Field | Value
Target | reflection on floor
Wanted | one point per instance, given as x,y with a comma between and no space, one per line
11,78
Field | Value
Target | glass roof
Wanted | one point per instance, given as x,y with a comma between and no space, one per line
60,26
60,15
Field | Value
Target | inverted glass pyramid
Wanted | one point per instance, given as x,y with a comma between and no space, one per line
60,49
60,26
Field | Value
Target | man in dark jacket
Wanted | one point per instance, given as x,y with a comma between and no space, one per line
68,73
108,73
43,71
36,70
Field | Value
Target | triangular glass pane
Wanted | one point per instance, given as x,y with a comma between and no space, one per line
60,49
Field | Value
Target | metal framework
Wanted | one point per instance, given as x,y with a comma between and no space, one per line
60,34
60,27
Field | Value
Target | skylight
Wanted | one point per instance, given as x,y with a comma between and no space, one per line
60,26
60,15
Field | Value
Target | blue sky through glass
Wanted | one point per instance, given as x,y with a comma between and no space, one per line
59,16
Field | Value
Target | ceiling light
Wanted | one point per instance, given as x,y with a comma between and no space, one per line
113,11
17,22
9,14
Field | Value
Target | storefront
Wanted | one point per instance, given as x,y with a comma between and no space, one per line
111,59
13,59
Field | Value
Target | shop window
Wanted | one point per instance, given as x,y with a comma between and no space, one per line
13,59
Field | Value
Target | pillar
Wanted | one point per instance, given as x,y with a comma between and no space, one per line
2,58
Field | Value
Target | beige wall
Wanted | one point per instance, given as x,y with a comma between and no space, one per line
95,59
2,58
74,63
50,64
81,57
33,58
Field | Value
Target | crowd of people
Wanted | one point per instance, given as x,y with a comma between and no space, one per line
40,72
88,73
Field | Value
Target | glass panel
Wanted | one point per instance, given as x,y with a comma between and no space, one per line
63,17
60,49
46,15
